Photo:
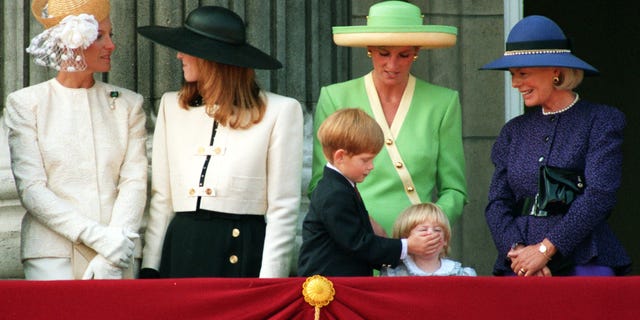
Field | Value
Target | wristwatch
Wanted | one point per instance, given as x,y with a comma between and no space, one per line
543,249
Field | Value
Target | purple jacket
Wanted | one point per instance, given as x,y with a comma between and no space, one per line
587,138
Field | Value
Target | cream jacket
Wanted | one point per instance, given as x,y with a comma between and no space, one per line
252,171
78,157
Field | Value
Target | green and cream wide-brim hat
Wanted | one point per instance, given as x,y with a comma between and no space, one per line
395,23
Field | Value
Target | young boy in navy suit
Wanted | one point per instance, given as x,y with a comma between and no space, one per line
337,236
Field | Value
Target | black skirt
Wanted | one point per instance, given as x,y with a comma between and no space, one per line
213,244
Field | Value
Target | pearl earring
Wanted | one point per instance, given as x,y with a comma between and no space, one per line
369,54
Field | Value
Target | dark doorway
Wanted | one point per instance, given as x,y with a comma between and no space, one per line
606,34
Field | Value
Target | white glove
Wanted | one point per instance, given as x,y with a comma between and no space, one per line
101,268
114,244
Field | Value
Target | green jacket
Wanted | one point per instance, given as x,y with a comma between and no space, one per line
429,141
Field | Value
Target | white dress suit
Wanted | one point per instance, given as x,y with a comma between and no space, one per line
78,157
254,171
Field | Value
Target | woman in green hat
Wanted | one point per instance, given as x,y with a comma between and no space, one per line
423,152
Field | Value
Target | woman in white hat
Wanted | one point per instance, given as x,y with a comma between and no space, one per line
421,122
227,159
77,151
542,227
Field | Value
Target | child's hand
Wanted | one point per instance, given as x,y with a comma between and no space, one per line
424,243
435,243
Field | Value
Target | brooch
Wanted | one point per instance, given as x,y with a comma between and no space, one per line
113,95
318,291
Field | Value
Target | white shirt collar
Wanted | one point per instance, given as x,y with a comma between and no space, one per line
332,167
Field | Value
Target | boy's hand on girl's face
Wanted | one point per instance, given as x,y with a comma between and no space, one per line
434,243
423,242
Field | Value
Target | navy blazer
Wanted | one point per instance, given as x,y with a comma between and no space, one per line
337,237
586,138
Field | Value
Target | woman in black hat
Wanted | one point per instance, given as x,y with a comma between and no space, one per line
557,167
227,159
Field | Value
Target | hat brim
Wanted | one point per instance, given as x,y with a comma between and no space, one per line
428,37
191,43
563,60
99,10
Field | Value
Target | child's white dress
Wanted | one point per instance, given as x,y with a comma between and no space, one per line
408,267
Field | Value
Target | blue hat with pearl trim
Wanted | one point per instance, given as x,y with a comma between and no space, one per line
537,41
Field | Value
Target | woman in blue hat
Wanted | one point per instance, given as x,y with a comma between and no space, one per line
539,232
227,159
423,151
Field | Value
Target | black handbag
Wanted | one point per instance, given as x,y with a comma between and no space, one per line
557,188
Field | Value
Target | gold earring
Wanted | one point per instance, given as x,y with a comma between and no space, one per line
556,80
369,54
415,58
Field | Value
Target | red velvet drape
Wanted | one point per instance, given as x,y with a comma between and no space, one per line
355,298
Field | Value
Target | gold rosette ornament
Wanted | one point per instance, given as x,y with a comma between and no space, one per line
318,292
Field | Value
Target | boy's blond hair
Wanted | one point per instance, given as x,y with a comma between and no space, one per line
352,130
421,213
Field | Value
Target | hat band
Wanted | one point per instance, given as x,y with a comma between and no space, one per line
538,47
535,51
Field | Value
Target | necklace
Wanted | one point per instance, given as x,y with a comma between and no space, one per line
546,113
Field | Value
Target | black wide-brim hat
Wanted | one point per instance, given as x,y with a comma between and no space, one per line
212,33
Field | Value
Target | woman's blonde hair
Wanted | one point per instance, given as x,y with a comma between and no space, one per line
352,130
230,94
569,78
422,213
